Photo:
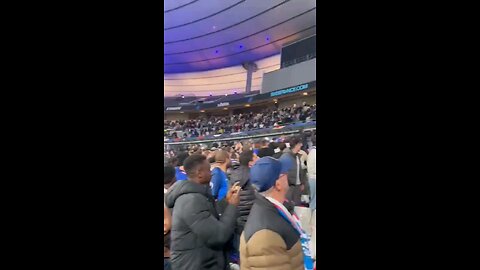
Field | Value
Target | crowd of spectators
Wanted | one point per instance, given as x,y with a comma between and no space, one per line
220,200
268,118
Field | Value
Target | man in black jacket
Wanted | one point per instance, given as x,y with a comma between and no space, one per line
296,175
199,235
247,195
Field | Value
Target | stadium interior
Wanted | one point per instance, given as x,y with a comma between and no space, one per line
241,73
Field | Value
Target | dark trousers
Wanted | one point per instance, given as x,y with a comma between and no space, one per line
234,253
294,195
166,264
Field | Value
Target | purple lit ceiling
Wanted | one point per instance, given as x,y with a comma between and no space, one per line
203,35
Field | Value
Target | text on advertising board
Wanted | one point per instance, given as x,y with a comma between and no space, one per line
221,104
289,90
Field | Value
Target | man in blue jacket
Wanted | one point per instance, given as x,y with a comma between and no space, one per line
219,182
180,173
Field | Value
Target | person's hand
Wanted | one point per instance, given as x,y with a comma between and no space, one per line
233,195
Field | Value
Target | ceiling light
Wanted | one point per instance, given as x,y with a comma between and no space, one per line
247,105
202,111
216,51
181,112
305,94
225,109
226,94
241,46
268,38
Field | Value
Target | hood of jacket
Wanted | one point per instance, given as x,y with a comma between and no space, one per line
185,187
240,174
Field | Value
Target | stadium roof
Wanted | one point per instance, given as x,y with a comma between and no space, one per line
203,35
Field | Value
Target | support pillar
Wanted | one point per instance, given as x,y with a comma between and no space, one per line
250,67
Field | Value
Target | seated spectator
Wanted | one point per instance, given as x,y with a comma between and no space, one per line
268,118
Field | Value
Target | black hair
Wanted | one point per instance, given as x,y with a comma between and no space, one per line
282,146
191,163
246,157
262,142
265,152
294,141
172,161
181,158
168,174
273,145
211,159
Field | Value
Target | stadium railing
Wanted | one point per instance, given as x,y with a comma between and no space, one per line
265,132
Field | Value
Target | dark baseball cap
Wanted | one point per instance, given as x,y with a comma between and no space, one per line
267,170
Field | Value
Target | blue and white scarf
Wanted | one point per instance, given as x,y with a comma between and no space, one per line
295,222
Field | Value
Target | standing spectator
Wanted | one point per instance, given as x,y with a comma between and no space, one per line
281,147
312,173
247,146
303,158
272,238
247,194
265,150
296,175
303,162
180,173
199,235
173,161
239,147
234,157
169,177
168,181
234,164
219,183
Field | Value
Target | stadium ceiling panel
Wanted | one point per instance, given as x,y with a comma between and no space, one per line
201,35
221,81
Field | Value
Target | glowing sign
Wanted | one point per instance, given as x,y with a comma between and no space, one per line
289,90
